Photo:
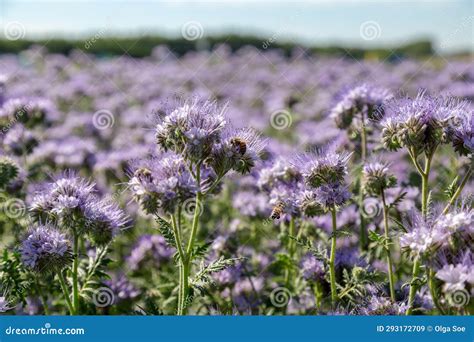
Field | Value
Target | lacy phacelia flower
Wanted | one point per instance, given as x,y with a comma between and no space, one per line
162,183
280,172
363,99
330,195
424,234
46,249
310,204
461,133
103,220
377,177
71,203
323,167
377,305
192,128
419,124
5,305
453,276
239,151
62,198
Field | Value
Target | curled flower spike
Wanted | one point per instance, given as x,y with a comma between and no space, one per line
418,124
323,166
363,99
190,127
71,203
46,249
239,151
461,133
162,182
377,177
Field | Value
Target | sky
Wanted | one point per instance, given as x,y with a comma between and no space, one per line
356,23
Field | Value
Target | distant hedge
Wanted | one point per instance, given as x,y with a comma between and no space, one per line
142,46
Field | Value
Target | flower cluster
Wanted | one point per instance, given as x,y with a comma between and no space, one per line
46,249
324,174
354,102
377,178
71,202
418,124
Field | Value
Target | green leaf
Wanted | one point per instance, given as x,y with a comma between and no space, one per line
451,190
165,229
200,251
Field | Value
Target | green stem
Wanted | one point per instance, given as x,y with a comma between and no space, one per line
177,238
467,176
75,283
62,282
411,296
424,210
363,140
433,292
332,259
291,250
391,277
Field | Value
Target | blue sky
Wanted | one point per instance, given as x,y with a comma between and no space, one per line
449,23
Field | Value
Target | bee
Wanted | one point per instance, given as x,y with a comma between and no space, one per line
277,210
240,144
142,173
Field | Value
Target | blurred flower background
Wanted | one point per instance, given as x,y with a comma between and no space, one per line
236,157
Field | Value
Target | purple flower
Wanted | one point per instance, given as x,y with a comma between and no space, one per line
330,195
190,127
239,150
418,124
363,99
377,177
461,133
162,183
5,305
103,220
324,166
377,305
423,234
46,249
71,202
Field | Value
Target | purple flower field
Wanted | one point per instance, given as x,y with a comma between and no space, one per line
235,183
